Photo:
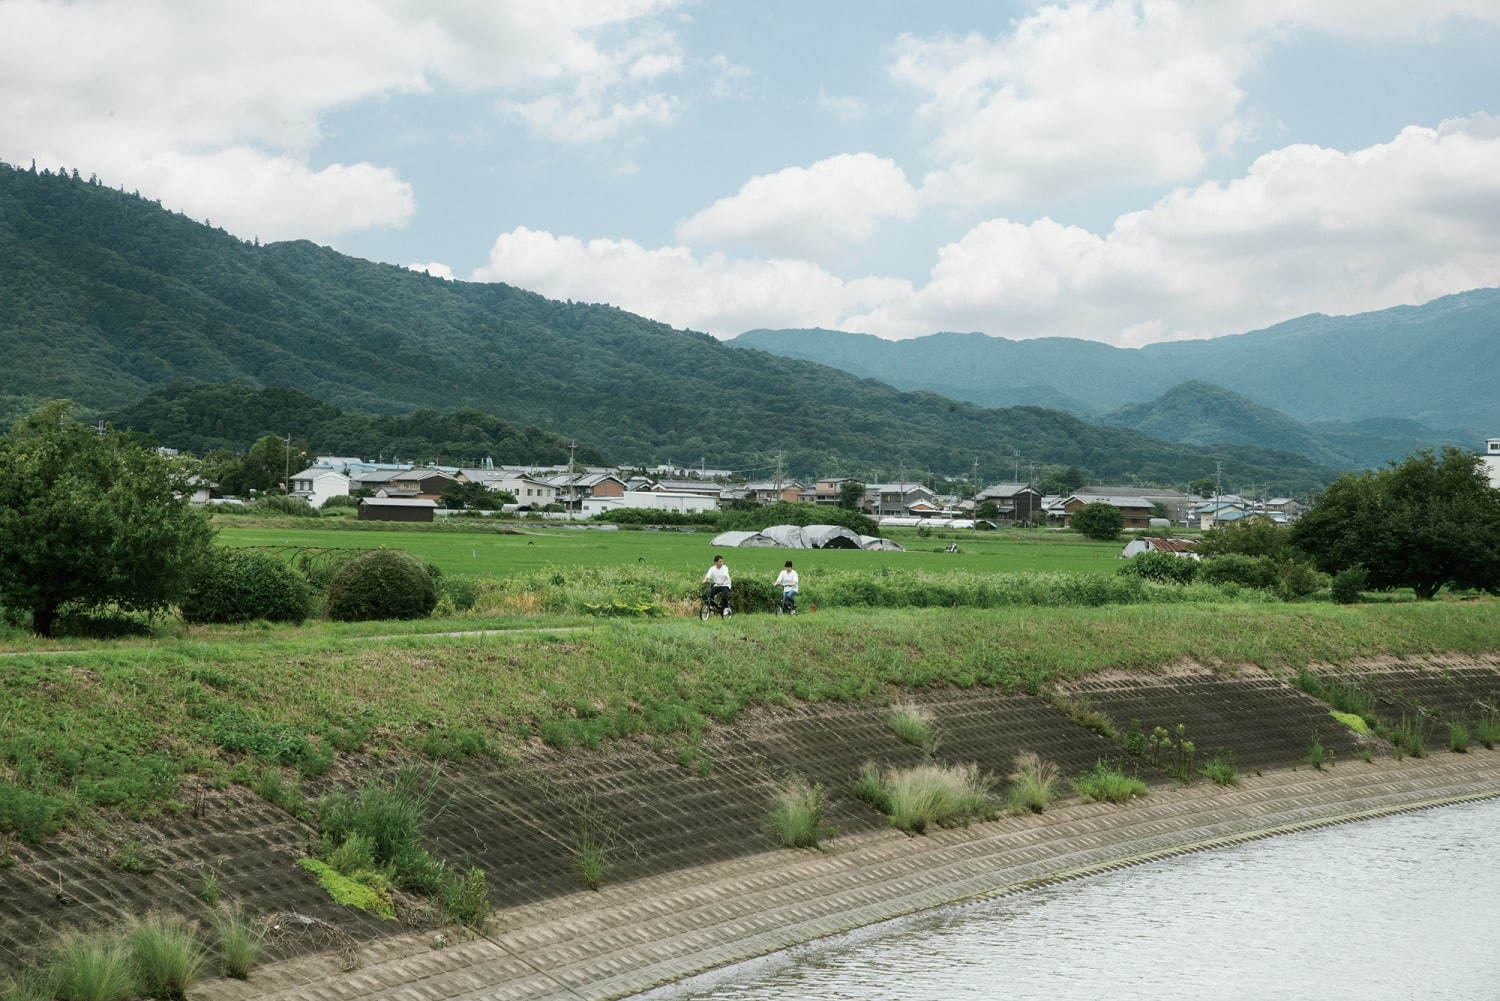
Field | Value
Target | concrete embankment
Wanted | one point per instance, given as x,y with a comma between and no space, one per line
693,883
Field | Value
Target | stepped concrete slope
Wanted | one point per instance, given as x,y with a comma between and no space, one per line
694,884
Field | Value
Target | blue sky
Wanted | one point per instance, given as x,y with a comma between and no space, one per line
1124,170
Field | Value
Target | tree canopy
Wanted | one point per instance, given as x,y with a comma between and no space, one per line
90,518
1426,523
1098,520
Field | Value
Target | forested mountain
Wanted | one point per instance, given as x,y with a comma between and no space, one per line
1200,413
1426,363
201,417
108,296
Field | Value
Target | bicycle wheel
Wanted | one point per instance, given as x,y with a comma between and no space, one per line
704,611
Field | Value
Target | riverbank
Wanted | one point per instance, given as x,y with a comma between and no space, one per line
629,938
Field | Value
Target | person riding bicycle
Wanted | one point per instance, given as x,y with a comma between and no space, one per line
787,581
718,580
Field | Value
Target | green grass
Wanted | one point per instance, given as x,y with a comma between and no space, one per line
1487,731
463,897
1033,784
1407,737
795,816
1220,770
1317,755
1458,738
926,796
118,726
1353,721
367,889
166,954
1105,784
913,724
239,942
90,968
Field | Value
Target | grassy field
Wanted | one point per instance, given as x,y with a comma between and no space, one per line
119,727
490,554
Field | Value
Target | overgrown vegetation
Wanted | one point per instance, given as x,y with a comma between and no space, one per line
1220,770
230,585
913,724
167,955
1317,755
1169,750
382,584
931,795
795,815
239,942
1104,783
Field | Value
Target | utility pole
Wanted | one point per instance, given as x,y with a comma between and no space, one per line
572,447
779,471
286,476
1018,464
974,477
1218,487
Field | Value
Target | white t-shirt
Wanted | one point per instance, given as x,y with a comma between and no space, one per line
718,576
787,579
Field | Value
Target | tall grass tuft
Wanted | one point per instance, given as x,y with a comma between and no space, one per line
795,816
389,817
239,942
1458,738
916,799
1033,784
1220,770
90,968
913,724
1407,737
464,897
1487,731
1318,755
166,954
1105,784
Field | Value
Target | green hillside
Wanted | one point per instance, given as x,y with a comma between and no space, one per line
109,297
1426,363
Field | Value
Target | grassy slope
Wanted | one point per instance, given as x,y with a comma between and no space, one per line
118,727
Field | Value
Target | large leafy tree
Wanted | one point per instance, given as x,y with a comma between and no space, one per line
1430,521
1098,520
89,518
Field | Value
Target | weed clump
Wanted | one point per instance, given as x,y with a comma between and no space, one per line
464,897
1318,755
239,942
1487,731
1033,784
795,816
1168,750
1458,738
1408,737
928,795
913,724
90,968
1220,770
166,955
1080,711
1105,784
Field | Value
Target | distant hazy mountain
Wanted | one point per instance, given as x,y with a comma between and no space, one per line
1200,413
1433,364
105,297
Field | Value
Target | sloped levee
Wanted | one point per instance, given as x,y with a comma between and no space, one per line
667,813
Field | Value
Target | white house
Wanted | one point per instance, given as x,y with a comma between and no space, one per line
317,484
655,500
1491,456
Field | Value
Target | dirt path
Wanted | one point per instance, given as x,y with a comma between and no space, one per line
632,937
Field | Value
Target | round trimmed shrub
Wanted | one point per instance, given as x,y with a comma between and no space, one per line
235,585
382,584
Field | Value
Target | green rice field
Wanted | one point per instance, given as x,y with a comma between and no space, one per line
490,554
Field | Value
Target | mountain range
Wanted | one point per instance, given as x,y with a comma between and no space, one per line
108,297
1427,364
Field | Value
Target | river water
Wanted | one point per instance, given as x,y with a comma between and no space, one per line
1401,907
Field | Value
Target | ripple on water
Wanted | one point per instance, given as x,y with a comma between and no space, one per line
1400,907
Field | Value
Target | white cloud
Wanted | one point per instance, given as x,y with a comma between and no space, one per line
1306,229
435,268
712,292
845,107
1095,93
729,77
174,99
807,211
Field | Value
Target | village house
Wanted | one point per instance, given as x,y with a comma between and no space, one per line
1491,457
397,509
317,485
764,491
1016,501
574,488
1135,510
909,500
653,500
421,482
703,488
1175,503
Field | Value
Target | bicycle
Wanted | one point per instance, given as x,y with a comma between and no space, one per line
788,603
709,607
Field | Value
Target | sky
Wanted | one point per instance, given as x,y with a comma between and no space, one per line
1127,171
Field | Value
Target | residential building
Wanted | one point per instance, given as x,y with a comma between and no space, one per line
1291,509
1135,510
317,484
1016,501
1491,456
397,509
764,491
422,482
703,488
911,500
828,491
574,488
1174,502
655,500
1209,515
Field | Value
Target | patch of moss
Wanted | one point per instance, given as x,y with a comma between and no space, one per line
367,890
1353,721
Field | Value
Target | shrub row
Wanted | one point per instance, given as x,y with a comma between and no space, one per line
1287,577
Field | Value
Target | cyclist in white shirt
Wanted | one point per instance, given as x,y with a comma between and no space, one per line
787,581
719,583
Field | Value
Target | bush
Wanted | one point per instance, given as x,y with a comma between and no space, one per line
343,501
382,584
917,798
914,725
1220,770
1237,568
31,816
654,516
1293,579
239,943
1098,520
232,585
464,897
1164,568
1347,585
